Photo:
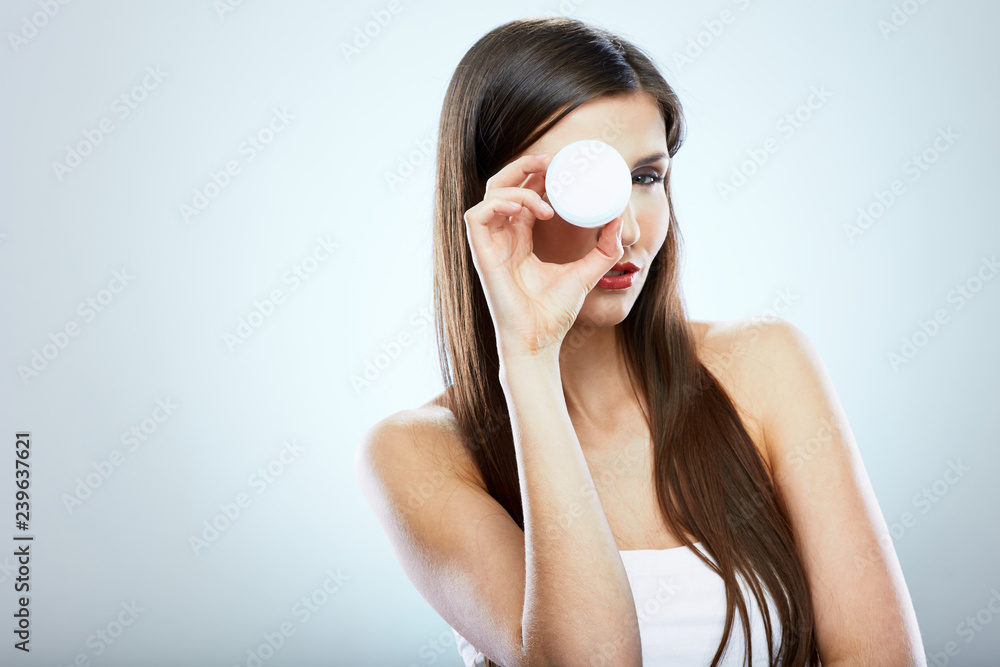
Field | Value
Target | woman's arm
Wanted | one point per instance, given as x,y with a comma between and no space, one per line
577,601
558,595
578,604
864,614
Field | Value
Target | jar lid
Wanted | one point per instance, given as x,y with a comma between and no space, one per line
588,183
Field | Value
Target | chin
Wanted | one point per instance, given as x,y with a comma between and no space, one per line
606,308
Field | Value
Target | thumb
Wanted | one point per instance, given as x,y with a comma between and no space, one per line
604,255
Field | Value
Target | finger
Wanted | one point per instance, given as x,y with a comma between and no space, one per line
478,218
528,198
536,182
604,255
517,171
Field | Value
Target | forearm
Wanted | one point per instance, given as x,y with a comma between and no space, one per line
577,601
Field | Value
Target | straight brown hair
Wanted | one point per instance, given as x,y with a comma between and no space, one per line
510,88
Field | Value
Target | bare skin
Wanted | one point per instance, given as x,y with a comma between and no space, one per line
578,428
605,413
620,459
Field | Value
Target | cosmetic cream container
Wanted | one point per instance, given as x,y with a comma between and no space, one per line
588,183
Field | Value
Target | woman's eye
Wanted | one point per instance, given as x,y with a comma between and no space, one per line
652,178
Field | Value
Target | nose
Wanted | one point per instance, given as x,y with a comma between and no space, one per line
630,227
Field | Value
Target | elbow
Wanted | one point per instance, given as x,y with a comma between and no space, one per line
622,651
610,639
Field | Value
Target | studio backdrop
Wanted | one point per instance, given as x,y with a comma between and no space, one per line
215,276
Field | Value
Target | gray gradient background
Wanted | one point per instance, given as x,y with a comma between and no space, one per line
325,175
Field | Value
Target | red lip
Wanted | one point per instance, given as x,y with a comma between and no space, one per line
627,266
623,281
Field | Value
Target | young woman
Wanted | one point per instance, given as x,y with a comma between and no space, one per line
603,481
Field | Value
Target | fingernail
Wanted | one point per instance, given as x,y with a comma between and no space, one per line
542,155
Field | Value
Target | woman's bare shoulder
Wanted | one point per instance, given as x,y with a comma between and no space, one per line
740,353
740,343
427,435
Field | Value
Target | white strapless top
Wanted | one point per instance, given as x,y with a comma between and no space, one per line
681,606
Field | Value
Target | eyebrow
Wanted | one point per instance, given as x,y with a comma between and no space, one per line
649,158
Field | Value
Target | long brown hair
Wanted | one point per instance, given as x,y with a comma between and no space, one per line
514,84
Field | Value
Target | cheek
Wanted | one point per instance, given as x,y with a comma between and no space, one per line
557,241
658,228
654,220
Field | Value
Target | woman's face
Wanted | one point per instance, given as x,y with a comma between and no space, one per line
633,125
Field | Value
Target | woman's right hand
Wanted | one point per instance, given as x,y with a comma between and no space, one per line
533,303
